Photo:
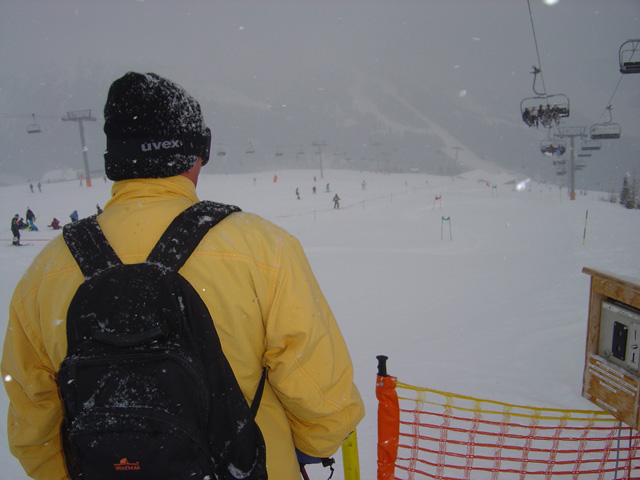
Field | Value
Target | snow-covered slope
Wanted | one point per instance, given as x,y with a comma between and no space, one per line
491,303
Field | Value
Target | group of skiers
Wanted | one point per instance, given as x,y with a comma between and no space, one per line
18,223
553,150
535,116
336,199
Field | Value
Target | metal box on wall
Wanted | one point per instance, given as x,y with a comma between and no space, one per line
611,377
620,335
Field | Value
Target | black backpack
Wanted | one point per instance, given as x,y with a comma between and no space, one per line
146,388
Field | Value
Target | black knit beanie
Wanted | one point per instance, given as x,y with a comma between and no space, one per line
154,128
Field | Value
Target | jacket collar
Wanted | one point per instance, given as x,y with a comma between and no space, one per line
153,188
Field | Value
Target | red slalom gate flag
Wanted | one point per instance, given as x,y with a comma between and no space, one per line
388,421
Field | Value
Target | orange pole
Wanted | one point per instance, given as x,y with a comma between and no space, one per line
388,421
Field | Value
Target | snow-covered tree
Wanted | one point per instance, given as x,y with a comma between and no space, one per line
634,193
626,198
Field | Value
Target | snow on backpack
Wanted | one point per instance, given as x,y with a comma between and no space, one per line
146,388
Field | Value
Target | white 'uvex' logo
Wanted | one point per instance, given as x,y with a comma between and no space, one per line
166,144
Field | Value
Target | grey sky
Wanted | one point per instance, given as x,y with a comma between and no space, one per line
293,57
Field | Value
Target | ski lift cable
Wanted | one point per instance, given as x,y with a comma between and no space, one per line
27,115
615,90
609,107
535,41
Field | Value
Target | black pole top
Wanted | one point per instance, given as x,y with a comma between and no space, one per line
382,365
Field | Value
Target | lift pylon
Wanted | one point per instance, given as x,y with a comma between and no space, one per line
81,116
572,133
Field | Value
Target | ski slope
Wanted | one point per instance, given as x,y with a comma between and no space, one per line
490,303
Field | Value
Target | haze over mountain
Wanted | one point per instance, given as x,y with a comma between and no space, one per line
428,86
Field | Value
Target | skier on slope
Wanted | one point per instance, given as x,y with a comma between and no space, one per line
31,218
15,229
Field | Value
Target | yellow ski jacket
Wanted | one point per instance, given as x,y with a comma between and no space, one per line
267,308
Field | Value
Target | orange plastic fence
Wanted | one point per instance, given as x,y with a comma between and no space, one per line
453,437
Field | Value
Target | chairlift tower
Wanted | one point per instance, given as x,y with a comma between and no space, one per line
378,160
320,145
457,149
572,133
80,116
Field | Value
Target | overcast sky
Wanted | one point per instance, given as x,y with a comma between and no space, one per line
274,54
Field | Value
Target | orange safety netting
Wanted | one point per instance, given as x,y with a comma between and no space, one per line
453,437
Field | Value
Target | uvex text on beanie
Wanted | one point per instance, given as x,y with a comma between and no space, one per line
154,128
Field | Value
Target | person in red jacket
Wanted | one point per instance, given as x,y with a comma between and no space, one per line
55,224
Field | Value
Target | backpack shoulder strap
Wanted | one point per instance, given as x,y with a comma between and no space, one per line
184,233
181,238
89,246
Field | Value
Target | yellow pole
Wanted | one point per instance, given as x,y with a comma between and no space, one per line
350,457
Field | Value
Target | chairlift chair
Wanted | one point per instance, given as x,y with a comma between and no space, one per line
561,171
584,155
221,152
33,127
250,148
605,131
553,148
558,103
627,63
590,145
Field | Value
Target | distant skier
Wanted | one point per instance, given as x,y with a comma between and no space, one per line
314,189
364,185
31,187
15,229
336,201
328,190
55,224
298,193
39,187
31,218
